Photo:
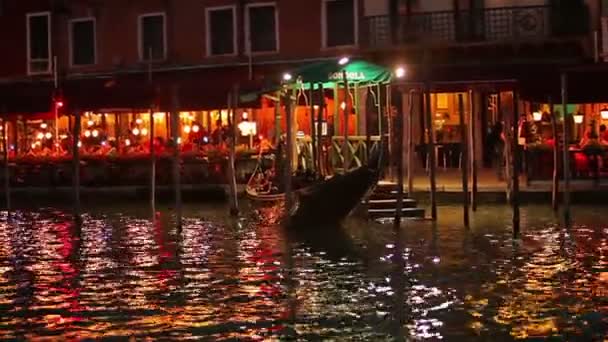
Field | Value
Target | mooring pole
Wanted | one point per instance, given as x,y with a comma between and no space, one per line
368,133
320,130
516,165
177,187
509,137
76,166
566,152
152,166
7,173
410,145
313,136
232,105
277,120
431,151
465,158
289,154
555,187
399,132
473,149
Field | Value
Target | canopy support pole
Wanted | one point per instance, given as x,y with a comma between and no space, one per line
347,107
368,136
313,136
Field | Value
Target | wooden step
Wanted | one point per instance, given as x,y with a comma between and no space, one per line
405,212
385,195
389,203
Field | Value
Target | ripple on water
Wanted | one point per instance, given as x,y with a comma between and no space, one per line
123,275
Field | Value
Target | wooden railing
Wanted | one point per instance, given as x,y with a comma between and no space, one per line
332,156
514,23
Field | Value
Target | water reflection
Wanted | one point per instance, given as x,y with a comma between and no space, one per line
120,274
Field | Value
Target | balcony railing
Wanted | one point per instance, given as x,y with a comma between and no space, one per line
481,25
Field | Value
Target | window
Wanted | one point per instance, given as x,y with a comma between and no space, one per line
221,31
152,37
339,23
262,22
39,43
82,42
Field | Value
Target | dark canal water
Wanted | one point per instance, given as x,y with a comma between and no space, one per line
122,275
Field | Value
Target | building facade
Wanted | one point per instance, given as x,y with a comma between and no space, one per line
113,55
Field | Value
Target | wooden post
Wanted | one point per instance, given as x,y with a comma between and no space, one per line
232,105
177,186
345,151
399,133
473,148
355,105
507,152
277,120
320,129
566,152
313,136
410,145
431,151
555,187
289,168
152,166
7,172
368,134
76,166
465,158
516,165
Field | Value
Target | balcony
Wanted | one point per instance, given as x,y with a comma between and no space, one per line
490,25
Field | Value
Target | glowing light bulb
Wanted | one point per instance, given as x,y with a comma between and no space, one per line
48,135
136,131
287,77
144,131
128,142
104,143
79,143
343,105
90,123
179,141
205,140
95,133
138,121
40,136
400,72
196,128
43,125
343,61
187,129
33,146
87,133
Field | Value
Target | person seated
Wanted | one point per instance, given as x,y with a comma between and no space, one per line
603,135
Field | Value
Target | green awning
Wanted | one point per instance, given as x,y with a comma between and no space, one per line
329,73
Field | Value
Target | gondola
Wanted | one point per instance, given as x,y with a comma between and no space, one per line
270,193
328,203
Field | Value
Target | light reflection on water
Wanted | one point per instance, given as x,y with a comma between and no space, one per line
121,274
